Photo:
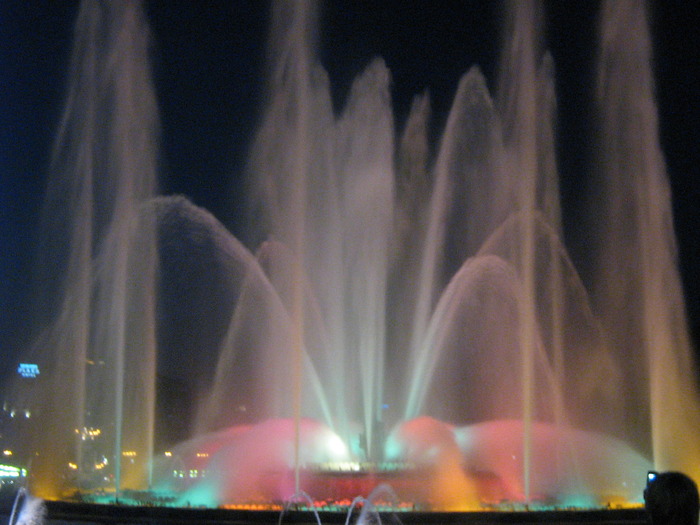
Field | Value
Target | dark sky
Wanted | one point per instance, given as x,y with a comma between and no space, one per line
208,60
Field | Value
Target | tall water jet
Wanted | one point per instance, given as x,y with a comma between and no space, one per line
97,339
638,292
326,190
493,163
520,137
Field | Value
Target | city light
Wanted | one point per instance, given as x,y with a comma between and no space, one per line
191,473
28,370
88,433
9,471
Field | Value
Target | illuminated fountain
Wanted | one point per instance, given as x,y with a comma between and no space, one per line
411,319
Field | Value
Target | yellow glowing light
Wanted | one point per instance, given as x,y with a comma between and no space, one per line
129,453
72,466
167,453
7,452
202,455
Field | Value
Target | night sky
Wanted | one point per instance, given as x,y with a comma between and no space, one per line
209,61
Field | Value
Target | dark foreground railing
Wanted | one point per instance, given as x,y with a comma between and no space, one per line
64,513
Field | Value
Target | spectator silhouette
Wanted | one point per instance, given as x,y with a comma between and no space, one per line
672,499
